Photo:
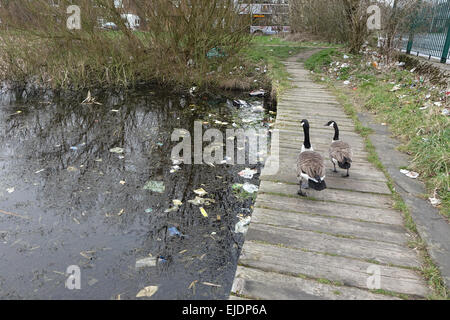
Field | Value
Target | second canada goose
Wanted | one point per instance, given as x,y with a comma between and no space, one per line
340,152
310,165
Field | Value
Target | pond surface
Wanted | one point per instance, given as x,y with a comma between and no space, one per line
66,199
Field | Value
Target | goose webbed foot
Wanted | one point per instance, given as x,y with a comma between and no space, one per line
346,175
301,193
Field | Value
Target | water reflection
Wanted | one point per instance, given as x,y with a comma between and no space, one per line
81,204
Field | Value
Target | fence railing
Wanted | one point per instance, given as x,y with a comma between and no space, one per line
430,30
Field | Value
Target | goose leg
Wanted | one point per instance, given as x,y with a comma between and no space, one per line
300,192
347,175
334,164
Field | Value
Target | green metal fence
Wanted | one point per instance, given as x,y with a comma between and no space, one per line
430,30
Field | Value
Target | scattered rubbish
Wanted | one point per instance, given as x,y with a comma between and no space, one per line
445,112
155,186
211,284
13,214
116,111
72,169
203,211
250,188
122,182
215,53
149,210
146,262
438,104
121,212
258,109
240,103
116,150
161,259
248,173
92,282
42,170
147,292
173,231
201,192
410,174
201,201
396,88
175,169
242,225
74,148
400,64
192,285
435,201
90,100
192,90
10,190
346,56
176,206
346,82
258,93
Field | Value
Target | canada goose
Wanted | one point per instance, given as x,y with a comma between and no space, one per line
310,165
340,152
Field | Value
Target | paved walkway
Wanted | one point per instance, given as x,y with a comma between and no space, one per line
321,247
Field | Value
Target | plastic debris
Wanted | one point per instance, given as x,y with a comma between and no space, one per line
72,169
149,210
445,112
215,53
435,201
396,88
410,174
258,109
242,225
10,190
116,150
250,188
346,82
155,186
201,201
92,282
175,169
90,100
240,103
121,212
173,231
147,292
39,171
146,262
248,173
258,93
201,192
203,211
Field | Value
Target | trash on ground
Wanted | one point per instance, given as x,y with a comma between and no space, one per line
242,225
175,169
258,93
410,174
147,292
122,182
116,150
248,173
92,282
211,284
203,211
435,201
10,190
121,212
149,210
396,88
39,171
216,53
250,188
201,192
240,103
258,109
155,186
173,231
90,100
201,201
146,262
445,112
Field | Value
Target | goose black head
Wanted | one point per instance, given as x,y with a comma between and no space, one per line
305,123
334,125
330,124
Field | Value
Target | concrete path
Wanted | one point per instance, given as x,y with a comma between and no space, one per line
324,246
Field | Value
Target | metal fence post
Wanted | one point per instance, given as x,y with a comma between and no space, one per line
413,27
446,46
